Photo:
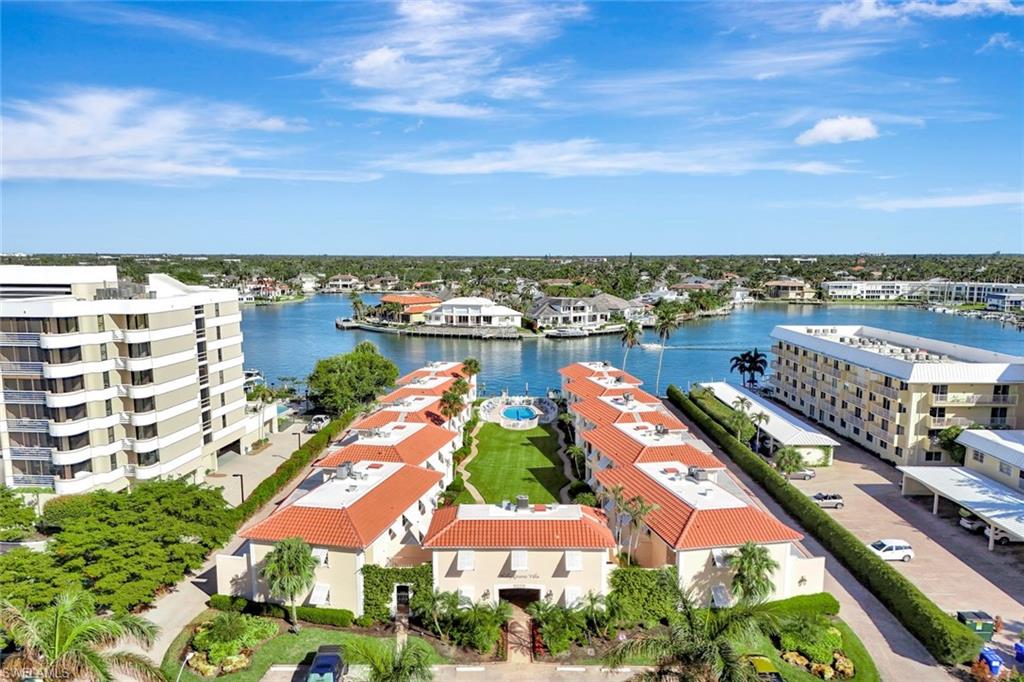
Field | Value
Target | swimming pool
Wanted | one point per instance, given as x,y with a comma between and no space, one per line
518,412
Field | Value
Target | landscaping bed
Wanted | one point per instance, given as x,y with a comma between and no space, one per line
510,463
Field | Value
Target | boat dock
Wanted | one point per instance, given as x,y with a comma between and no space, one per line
484,333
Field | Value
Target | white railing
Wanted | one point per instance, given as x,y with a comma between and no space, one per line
19,339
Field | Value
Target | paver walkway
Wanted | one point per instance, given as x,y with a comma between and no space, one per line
519,647
897,654
485,672
473,451
567,468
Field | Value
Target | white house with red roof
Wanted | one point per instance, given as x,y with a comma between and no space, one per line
417,444
521,552
356,514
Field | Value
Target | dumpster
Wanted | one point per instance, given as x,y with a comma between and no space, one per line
979,621
1018,651
993,660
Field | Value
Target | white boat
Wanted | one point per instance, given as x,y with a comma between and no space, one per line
566,333
651,346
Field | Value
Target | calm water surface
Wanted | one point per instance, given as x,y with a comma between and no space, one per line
286,340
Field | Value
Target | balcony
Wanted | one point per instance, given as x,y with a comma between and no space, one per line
831,371
884,436
972,399
1001,422
883,413
33,481
855,421
945,422
854,400
860,382
32,369
25,397
19,452
887,391
28,425
19,339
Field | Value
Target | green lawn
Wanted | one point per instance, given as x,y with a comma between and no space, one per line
285,649
852,647
510,463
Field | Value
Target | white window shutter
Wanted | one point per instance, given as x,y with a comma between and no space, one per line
465,560
519,560
574,560
572,595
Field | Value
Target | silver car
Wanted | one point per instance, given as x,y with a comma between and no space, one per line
828,500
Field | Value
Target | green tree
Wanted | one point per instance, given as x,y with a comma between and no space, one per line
470,367
577,456
389,662
290,570
752,567
740,364
947,441
615,497
33,579
68,641
757,364
638,510
631,335
759,419
17,518
358,307
438,608
461,387
666,322
740,406
262,395
451,404
344,381
788,460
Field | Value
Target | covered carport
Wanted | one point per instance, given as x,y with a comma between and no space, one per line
994,503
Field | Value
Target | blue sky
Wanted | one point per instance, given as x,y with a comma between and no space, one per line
441,127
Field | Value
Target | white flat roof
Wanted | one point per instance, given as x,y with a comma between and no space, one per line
483,512
58,274
391,433
632,405
896,354
697,494
1005,445
412,403
651,436
979,494
432,381
781,425
339,493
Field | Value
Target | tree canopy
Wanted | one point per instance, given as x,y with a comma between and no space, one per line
344,381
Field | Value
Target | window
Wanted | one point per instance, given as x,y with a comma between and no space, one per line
101,323
519,560
147,459
321,555
464,561
113,457
572,595
933,456
977,456
898,450
1005,469
103,351
108,407
574,560
111,437
106,380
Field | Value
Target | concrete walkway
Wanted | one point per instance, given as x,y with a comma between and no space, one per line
897,654
485,672
567,467
186,600
519,645
473,451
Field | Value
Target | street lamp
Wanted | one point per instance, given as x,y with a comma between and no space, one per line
298,436
241,484
182,668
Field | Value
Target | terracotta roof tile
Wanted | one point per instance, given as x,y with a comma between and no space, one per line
383,416
414,449
599,412
621,449
410,299
356,526
454,372
585,388
414,389
589,532
578,370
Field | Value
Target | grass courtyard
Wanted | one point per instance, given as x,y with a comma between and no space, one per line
510,463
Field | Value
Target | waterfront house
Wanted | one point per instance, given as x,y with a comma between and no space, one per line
342,284
412,308
306,283
473,311
585,312
382,283
521,552
788,290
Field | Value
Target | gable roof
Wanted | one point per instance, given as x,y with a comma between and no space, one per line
355,526
580,370
414,449
600,412
412,389
453,370
683,527
589,531
385,415
621,449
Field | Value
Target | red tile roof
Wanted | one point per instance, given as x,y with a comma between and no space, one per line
416,389
413,449
585,388
409,299
683,527
355,526
599,412
455,372
578,370
588,532
622,449
428,415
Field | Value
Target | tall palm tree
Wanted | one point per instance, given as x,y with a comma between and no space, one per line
759,418
752,567
757,364
617,496
699,646
289,570
389,662
461,386
740,405
638,510
451,404
666,322
575,453
263,395
631,335
740,363
358,307
470,367
68,641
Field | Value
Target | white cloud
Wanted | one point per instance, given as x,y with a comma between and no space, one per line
946,201
856,12
588,157
838,129
1002,41
422,107
110,134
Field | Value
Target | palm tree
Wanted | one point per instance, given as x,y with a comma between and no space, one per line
631,335
757,364
753,567
576,453
788,460
289,570
665,323
263,395
461,386
389,662
638,511
358,307
470,367
616,495
451,404
740,363
700,645
740,405
594,608
759,418
438,606
68,641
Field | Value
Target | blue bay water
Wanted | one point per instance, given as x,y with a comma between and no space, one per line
286,340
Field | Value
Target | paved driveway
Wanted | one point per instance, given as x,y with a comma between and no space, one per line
488,672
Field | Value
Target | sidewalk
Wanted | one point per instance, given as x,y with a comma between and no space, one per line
485,672
897,653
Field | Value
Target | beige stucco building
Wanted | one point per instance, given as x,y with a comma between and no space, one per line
893,393
520,552
107,382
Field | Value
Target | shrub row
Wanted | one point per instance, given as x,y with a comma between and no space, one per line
947,639
821,603
724,415
342,618
295,464
642,596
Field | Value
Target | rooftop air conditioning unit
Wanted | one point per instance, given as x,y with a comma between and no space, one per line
660,429
522,502
698,474
344,469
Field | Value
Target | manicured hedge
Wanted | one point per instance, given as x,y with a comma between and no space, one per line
947,639
821,603
379,586
294,465
642,596
308,614
724,415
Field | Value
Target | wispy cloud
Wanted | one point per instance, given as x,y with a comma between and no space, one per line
141,135
838,129
589,157
856,12
1001,41
945,201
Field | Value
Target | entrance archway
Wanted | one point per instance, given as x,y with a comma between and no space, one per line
519,596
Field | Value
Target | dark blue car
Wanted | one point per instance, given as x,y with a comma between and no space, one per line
328,666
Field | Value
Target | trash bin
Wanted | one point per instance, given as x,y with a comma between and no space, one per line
979,621
993,660
1018,651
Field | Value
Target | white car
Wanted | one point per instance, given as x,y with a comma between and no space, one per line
1002,537
892,550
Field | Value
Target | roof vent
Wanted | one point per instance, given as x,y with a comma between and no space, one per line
344,469
522,502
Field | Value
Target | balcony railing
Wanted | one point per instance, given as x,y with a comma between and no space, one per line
1001,422
22,368
19,452
854,400
831,371
883,413
944,422
28,425
25,397
887,391
858,381
19,339
972,399
885,436
855,421
34,481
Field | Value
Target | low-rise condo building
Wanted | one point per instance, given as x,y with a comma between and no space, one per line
893,393
357,514
424,409
989,486
422,445
107,382
473,311
520,552
938,290
583,380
